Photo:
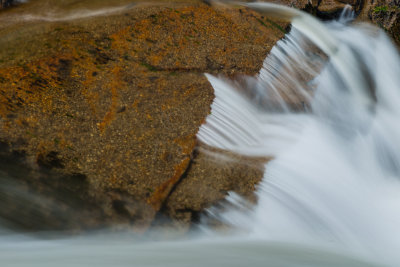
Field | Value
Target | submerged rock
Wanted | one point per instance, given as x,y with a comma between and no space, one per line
115,103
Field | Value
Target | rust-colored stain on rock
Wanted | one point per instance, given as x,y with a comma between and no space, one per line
161,193
119,99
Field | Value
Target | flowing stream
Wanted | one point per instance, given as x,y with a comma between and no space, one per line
325,106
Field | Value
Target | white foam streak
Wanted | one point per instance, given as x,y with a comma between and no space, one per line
336,180
57,16
237,125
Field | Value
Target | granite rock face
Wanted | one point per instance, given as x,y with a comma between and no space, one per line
99,113
386,15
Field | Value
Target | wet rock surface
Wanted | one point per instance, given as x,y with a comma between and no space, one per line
103,112
382,13
386,15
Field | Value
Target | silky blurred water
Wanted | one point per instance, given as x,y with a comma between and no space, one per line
335,177
123,250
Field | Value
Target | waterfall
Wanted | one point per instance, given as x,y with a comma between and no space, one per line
335,177
325,106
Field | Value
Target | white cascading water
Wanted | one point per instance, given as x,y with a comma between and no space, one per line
326,106
335,177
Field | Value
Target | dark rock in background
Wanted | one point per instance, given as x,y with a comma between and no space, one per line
385,14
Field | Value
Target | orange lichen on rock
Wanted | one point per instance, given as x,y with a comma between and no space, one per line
186,143
114,85
118,100
120,40
30,83
161,193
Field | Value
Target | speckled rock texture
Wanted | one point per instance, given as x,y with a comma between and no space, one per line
386,15
99,113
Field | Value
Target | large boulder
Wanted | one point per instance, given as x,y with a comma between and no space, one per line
99,114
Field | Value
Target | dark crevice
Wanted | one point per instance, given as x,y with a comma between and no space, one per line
181,69
8,3
164,210
195,214
64,69
331,15
120,207
50,160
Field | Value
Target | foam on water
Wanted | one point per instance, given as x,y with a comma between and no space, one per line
335,179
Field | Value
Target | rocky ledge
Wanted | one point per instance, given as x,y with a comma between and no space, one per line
99,114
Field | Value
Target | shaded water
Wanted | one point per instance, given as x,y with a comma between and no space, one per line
330,197
121,251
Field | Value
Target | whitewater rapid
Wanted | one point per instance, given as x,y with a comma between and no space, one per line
326,107
335,177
